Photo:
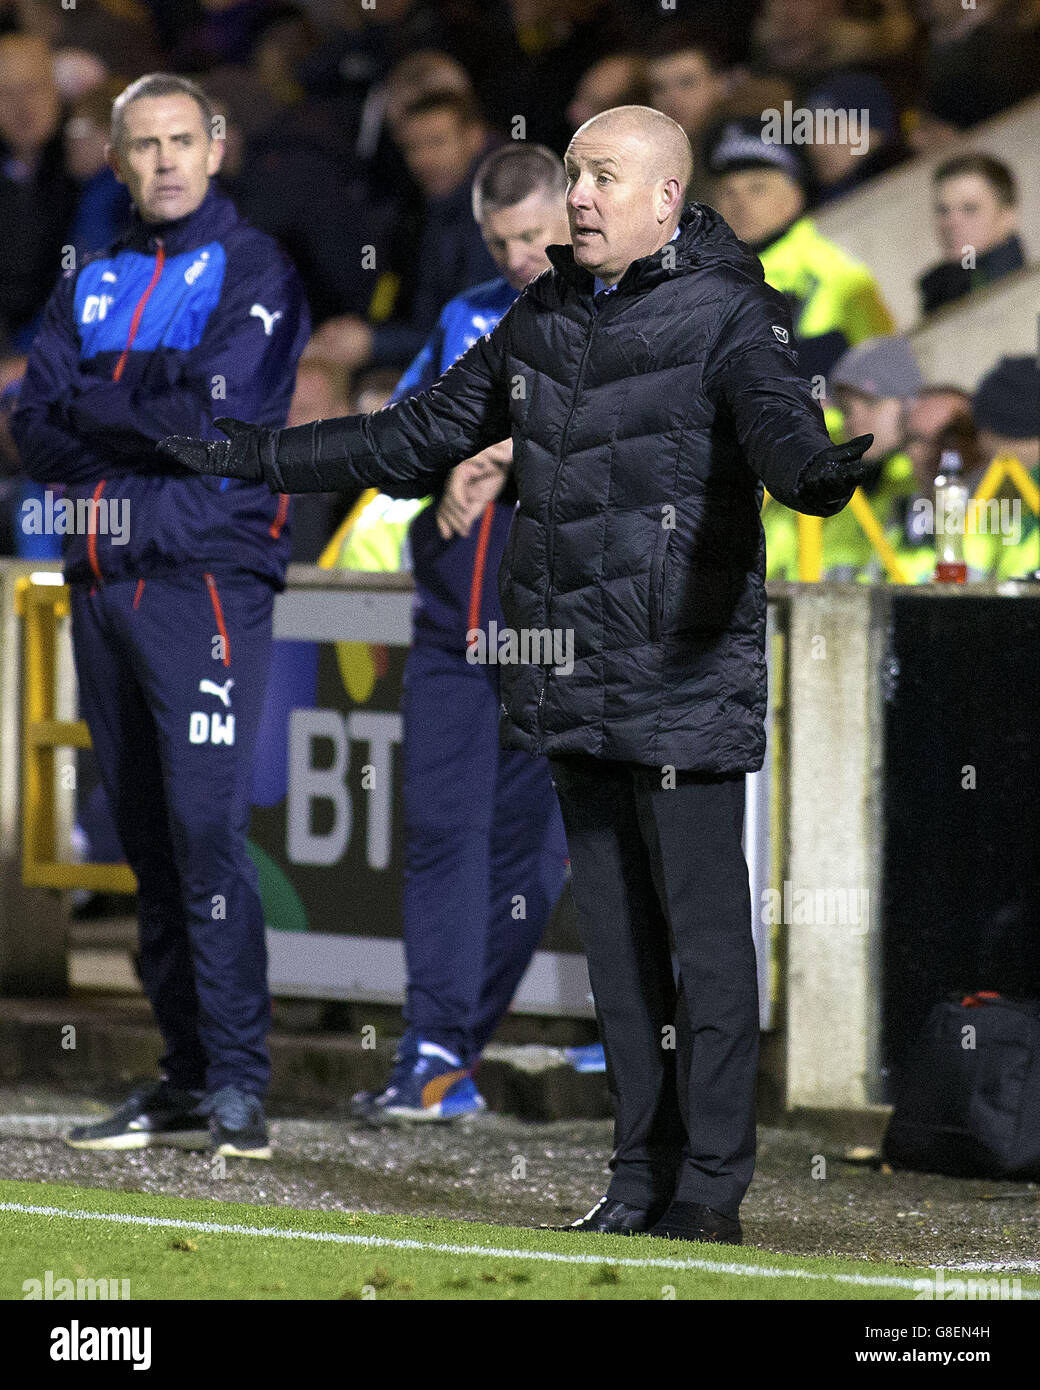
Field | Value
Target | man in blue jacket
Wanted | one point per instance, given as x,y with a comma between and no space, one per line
172,583
485,850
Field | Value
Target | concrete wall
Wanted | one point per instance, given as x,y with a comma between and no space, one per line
960,344
835,649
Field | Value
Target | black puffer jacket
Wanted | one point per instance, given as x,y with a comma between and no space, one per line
643,429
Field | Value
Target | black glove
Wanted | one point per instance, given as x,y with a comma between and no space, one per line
834,474
247,452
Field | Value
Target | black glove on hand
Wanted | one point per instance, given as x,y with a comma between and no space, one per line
241,455
834,474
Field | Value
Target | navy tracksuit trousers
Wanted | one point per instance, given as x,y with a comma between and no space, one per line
485,852
172,673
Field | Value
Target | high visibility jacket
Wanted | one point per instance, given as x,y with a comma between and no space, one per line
989,552
847,552
835,301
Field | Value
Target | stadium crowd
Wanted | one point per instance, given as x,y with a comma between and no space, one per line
353,132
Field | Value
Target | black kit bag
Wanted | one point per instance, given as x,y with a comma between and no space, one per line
969,1103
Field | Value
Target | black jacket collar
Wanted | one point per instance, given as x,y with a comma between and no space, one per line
704,239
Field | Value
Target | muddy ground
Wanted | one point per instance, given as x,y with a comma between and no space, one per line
508,1171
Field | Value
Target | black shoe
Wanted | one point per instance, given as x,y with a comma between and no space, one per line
695,1221
613,1218
154,1113
236,1124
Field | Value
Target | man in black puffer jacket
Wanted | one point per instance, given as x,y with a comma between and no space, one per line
650,386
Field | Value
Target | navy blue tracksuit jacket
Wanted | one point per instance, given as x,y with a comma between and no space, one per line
172,580
485,851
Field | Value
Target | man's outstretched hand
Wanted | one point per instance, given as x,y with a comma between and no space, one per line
836,473
238,456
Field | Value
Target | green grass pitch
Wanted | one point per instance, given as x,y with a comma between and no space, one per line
359,1256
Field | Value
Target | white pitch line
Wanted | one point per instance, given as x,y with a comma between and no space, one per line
493,1252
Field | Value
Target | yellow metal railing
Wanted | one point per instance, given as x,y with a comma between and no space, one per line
810,528
41,606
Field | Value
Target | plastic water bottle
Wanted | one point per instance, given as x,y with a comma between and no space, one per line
951,507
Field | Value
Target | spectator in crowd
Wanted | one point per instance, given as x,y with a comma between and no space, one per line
1006,405
278,54
121,37
843,163
442,137
619,79
873,385
976,225
938,420
981,59
806,40
334,140
691,78
104,203
202,34
689,74
877,380
37,195
357,48
420,75
759,186
933,409
77,72
545,47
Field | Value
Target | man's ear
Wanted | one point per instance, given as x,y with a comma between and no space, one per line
215,157
669,197
113,162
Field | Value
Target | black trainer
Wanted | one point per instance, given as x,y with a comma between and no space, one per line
695,1221
613,1218
237,1128
154,1113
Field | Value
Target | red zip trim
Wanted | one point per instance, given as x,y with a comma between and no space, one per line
275,529
476,588
160,260
214,598
138,592
117,372
92,555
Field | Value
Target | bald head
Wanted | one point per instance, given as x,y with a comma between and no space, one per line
661,144
627,173
29,102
